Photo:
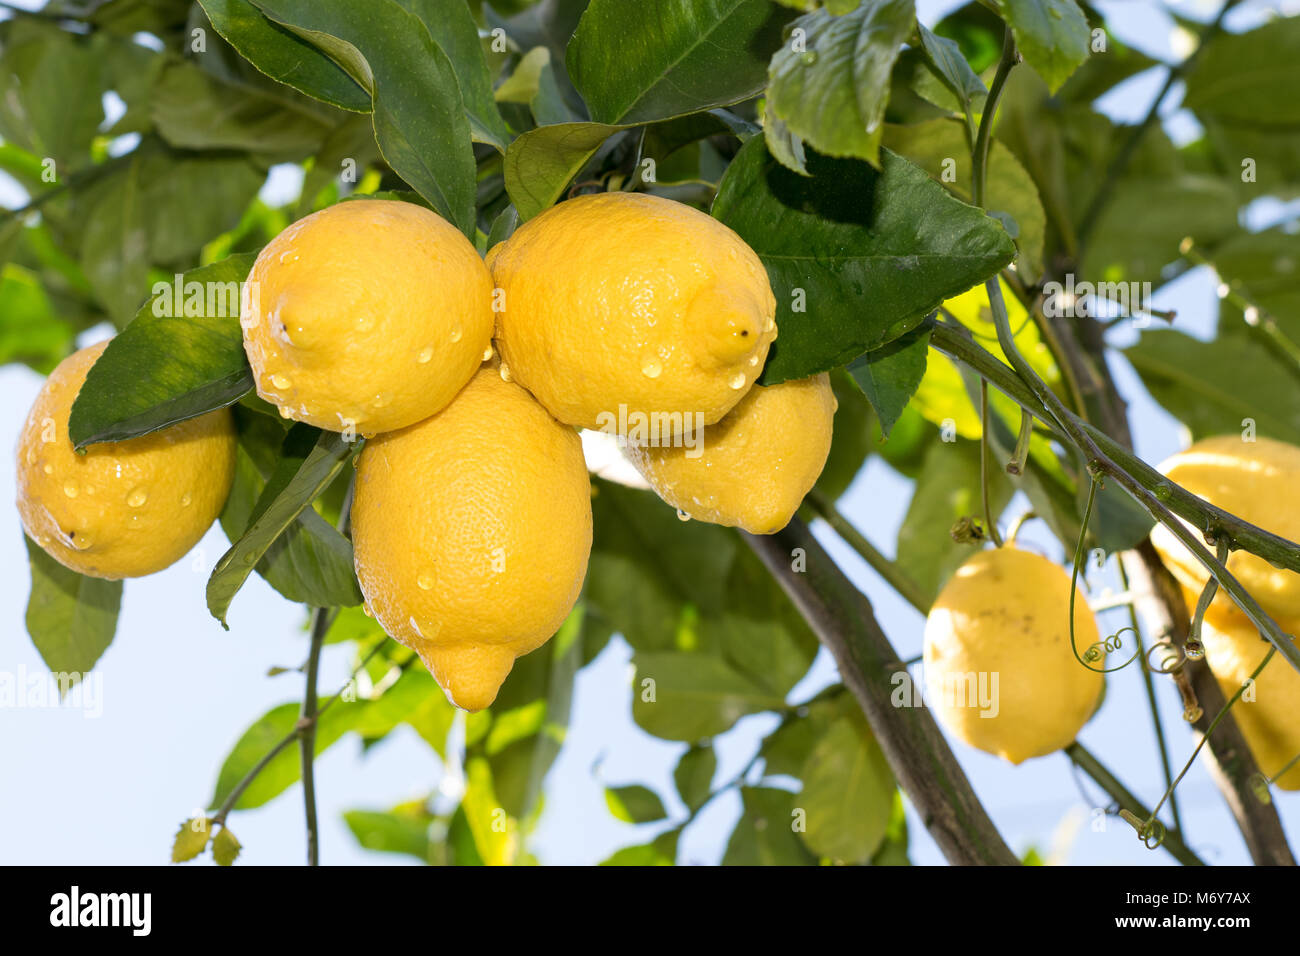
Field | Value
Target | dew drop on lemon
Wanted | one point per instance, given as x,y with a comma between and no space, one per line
737,381
426,353
48,469
682,515
137,497
279,381
425,581
456,334
70,489
505,372
651,369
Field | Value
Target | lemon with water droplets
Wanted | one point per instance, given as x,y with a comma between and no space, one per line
999,670
368,315
625,301
123,509
751,469
471,531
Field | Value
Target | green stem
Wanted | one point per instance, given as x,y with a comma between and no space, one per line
1090,765
989,521
321,619
980,157
887,569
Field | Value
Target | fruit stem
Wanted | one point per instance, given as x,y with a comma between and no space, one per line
990,524
1021,455
321,619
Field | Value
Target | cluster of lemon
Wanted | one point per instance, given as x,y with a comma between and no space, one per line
471,518
1003,614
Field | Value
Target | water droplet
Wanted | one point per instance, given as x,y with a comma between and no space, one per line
487,354
425,581
505,372
250,558
651,369
285,412
137,497
380,401
738,381
753,360
414,626
365,609
809,58
43,540
48,469
682,515
426,353
770,325
70,489
186,501
456,334
280,382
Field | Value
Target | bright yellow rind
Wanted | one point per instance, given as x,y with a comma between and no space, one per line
626,299
368,315
752,469
123,509
1005,612
471,532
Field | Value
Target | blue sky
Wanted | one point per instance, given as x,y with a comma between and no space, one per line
178,691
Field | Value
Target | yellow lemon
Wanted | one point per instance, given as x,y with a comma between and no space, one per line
999,670
1258,481
633,303
123,509
1267,712
752,469
366,316
472,531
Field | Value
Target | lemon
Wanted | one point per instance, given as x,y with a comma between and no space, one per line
752,469
368,315
123,509
1267,712
1258,481
472,531
999,670
633,302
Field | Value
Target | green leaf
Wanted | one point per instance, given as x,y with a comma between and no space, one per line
661,851
451,26
889,376
191,839
939,147
115,243
765,835
680,696
1053,36
419,113
831,88
893,851
1265,268
634,804
285,768
225,847
851,441
541,163
71,618
635,63
1249,77
404,829
853,234
283,500
694,776
1213,387
31,332
946,57
194,110
948,489
848,793
283,56
181,357
495,833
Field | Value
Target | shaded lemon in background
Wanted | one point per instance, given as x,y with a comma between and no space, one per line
370,314
751,469
1001,626
629,300
471,531
123,509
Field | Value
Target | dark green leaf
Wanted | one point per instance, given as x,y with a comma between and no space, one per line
694,776
851,234
283,56
181,357
419,113
1265,268
1052,35
634,804
1213,387
71,618
889,375
831,88
1249,77
635,63
52,81
765,834
115,241
946,57
282,501
851,441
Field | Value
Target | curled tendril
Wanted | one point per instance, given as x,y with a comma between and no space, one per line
1110,645
1092,653
1175,656
1153,830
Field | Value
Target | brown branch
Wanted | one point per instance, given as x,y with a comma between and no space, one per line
843,620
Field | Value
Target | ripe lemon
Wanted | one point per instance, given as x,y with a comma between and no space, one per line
623,300
1266,713
472,531
123,509
752,469
1258,481
370,315
999,670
